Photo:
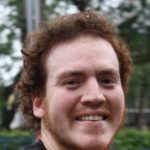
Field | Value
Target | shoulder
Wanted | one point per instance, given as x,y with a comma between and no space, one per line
36,146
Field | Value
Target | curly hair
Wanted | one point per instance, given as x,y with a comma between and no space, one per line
66,28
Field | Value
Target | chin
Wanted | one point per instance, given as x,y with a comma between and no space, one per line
93,146
99,143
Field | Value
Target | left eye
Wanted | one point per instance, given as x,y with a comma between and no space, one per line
107,82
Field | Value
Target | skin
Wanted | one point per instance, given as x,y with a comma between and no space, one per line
82,79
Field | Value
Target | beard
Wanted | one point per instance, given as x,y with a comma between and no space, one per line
51,123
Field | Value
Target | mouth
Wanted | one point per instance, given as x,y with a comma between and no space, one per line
91,118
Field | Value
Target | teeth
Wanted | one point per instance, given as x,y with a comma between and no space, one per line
91,118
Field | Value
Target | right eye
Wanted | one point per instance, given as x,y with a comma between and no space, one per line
72,83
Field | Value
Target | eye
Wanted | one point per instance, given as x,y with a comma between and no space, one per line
108,82
72,83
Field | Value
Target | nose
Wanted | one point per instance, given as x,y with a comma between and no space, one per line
92,94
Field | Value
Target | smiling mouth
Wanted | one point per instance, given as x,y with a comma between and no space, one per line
91,118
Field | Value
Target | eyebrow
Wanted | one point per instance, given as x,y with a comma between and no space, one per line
70,74
82,73
109,72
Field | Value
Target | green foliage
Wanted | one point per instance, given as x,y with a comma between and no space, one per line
2,101
132,139
138,81
14,133
140,47
14,20
13,140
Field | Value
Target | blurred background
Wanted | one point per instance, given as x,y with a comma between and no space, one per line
18,17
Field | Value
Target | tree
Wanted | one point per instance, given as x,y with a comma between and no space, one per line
15,25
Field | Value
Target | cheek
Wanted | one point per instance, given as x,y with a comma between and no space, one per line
62,101
117,101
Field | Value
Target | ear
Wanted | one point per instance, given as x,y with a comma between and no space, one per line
38,109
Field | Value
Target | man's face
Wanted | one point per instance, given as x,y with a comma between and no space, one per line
84,105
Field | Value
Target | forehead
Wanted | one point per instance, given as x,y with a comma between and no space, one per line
83,52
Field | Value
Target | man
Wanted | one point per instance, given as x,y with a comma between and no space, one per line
73,82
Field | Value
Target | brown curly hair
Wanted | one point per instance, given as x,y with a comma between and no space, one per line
62,29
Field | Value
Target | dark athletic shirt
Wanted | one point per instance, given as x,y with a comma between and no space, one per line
36,146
